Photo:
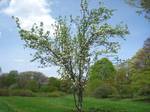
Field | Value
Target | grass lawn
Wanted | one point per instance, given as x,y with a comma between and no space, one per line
65,104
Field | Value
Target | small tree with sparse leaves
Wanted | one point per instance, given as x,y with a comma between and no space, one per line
75,43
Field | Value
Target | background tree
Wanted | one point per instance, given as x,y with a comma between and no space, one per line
141,83
142,58
8,80
31,80
102,69
146,49
53,84
123,82
141,69
101,73
73,51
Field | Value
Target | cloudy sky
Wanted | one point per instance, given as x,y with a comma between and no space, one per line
13,56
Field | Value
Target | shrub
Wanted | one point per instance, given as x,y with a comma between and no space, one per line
11,92
144,91
66,86
28,93
92,86
56,94
104,91
44,88
42,94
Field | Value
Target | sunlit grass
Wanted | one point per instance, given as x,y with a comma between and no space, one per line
66,104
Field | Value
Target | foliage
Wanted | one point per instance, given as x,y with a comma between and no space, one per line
146,49
19,92
123,83
103,91
56,94
102,69
92,85
142,58
32,85
34,81
66,86
31,80
142,5
141,83
53,84
141,70
73,52
102,72
26,93
8,79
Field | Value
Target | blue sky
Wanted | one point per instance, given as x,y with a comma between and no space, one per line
13,56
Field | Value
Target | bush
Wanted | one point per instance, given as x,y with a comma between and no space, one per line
9,92
28,93
56,94
124,91
92,86
144,91
104,91
44,88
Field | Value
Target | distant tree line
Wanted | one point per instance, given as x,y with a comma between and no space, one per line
128,79
32,81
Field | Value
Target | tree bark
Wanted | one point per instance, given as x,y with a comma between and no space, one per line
78,97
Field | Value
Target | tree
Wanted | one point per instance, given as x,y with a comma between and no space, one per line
8,79
123,82
32,85
103,70
142,5
31,80
141,83
142,58
75,43
101,73
53,84
141,70
146,49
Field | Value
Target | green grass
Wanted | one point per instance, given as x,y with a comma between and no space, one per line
65,104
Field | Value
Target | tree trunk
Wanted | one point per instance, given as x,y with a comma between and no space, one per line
78,98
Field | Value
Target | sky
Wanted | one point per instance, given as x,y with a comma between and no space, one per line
13,55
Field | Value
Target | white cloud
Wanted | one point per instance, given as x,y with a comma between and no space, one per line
31,11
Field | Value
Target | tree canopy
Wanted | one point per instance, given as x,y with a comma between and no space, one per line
103,69
142,58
